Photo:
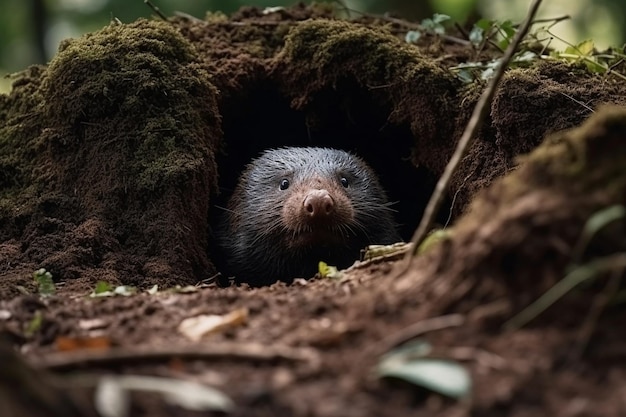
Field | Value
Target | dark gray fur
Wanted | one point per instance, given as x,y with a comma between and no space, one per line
253,239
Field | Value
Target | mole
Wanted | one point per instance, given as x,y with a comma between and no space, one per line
295,206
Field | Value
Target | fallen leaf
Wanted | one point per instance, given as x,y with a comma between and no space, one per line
112,399
195,328
68,344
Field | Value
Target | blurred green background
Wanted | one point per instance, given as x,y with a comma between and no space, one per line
30,30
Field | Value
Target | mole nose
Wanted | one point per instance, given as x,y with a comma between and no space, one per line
318,203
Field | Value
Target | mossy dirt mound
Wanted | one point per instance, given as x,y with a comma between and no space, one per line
111,150
112,154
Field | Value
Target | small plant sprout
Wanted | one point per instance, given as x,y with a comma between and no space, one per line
45,284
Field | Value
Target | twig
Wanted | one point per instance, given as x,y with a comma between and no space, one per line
343,6
414,330
251,352
155,9
188,17
475,122
410,25
577,101
554,20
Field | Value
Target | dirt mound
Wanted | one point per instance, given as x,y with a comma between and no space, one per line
112,153
109,153
115,157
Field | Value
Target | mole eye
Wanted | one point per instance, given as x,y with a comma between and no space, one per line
284,184
344,182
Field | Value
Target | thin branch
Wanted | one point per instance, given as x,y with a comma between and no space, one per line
155,9
554,20
414,330
222,351
577,101
475,122
411,25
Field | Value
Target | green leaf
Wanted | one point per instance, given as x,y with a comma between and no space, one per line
104,289
428,23
601,218
579,275
440,18
102,286
412,36
465,76
35,324
328,271
487,73
507,27
585,48
526,56
476,35
593,66
598,221
45,284
442,376
434,237
484,24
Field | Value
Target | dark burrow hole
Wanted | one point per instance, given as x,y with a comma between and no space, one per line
346,117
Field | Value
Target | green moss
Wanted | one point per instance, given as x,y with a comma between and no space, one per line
330,46
321,55
20,123
113,70
590,157
136,92
587,160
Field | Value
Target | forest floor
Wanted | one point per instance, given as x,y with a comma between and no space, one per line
313,347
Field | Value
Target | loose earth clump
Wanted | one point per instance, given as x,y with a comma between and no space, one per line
119,156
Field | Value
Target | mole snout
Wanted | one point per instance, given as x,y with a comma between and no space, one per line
318,204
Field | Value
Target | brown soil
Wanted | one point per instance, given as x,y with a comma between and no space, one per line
115,157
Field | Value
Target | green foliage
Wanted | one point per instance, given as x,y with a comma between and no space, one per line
328,271
594,224
499,35
34,325
409,363
433,25
585,53
45,284
579,273
104,289
433,239
500,32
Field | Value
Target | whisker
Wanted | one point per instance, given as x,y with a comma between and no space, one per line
225,209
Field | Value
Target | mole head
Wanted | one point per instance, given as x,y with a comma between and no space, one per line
313,192
294,207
